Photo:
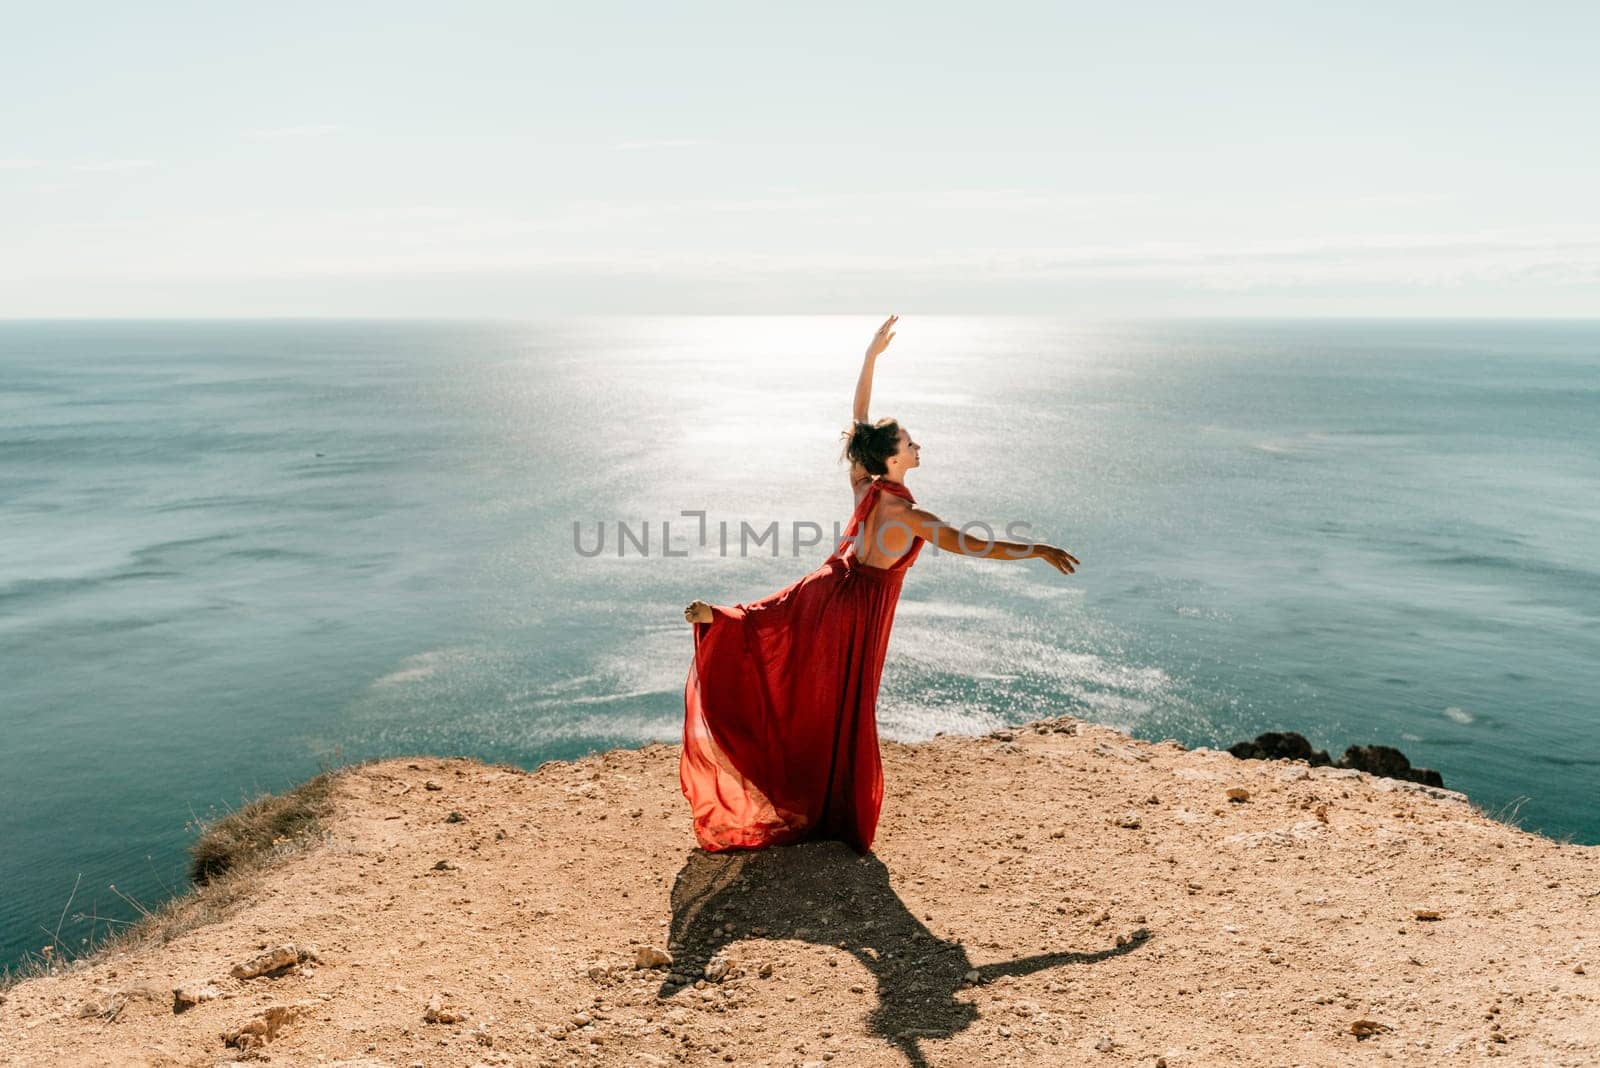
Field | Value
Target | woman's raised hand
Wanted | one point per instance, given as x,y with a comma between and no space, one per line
1059,559
881,339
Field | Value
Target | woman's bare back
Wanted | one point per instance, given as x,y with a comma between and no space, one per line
883,541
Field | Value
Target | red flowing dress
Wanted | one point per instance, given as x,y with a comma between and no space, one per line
780,730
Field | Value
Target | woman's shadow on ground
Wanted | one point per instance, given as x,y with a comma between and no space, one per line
824,892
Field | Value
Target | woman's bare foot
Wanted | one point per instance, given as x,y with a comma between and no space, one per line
697,612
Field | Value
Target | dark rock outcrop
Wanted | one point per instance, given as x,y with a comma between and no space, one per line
1383,760
1389,762
1276,745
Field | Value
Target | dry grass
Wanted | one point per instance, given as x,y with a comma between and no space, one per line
259,828
226,860
1510,814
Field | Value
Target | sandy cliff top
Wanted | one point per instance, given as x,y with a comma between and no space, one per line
1056,894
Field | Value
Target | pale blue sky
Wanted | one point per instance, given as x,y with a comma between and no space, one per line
532,159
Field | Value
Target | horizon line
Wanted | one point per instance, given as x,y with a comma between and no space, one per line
295,318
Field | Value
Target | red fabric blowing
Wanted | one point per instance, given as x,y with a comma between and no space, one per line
780,731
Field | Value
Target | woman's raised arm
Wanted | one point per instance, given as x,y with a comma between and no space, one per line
880,341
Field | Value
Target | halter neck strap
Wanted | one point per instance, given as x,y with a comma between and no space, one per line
899,489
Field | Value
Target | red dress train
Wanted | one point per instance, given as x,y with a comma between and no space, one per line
780,732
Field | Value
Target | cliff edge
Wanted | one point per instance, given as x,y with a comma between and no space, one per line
1054,894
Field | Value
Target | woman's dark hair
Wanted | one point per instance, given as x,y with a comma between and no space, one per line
871,444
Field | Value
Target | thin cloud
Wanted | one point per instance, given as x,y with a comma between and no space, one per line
1409,259
678,142
596,216
18,164
113,166
435,242
279,133
912,201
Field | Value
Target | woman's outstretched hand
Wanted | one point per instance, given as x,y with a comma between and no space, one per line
1059,559
881,339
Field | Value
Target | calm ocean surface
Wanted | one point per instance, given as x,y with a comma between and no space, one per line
1369,532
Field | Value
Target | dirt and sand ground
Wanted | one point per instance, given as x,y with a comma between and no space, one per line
1058,894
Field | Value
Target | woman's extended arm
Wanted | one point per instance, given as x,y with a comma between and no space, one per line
912,520
880,341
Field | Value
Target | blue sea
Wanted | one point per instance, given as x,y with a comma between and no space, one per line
232,551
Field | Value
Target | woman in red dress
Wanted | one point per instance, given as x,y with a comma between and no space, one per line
780,732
